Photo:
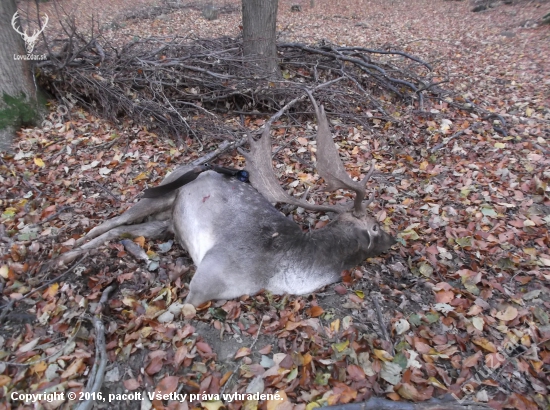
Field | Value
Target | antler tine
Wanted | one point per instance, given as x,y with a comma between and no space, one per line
13,23
364,183
262,176
331,168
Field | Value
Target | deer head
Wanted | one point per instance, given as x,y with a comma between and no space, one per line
241,244
30,41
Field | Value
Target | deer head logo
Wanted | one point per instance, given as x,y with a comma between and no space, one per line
30,41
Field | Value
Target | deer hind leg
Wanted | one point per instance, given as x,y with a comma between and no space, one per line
216,278
150,230
144,208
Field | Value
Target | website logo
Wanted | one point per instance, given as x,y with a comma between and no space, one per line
31,40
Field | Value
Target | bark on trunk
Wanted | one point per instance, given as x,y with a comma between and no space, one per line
17,91
259,35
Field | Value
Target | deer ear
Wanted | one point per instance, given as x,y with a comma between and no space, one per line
364,238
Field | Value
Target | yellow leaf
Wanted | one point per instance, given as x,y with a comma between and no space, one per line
528,112
434,382
51,291
335,326
4,380
39,162
141,176
510,313
212,405
140,240
39,367
250,405
341,346
383,355
4,271
274,404
312,405
485,344
500,145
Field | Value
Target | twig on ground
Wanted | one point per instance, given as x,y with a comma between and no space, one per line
97,374
380,319
447,140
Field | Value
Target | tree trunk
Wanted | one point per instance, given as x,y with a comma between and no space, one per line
17,91
259,35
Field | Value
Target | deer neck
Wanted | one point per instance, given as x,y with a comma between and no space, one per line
332,248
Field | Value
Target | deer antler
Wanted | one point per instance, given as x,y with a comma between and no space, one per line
329,166
262,177
13,24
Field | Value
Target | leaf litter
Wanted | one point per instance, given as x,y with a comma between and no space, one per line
464,298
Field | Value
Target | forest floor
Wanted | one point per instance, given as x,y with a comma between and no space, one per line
460,306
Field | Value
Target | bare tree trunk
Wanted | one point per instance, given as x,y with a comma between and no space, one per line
259,34
17,91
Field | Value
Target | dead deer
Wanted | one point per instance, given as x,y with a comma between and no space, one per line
242,244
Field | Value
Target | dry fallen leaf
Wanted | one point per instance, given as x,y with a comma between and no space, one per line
510,313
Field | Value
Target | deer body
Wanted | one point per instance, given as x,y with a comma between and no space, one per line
237,239
246,245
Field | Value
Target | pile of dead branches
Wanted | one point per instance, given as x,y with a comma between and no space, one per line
177,87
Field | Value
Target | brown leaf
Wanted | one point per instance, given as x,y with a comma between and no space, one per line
494,360
180,355
472,360
154,366
131,384
167,385
75,367
315,311
266,349
243,351
355,372
204,347
409,392
444,296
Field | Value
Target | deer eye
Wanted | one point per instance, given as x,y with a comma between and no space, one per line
375,228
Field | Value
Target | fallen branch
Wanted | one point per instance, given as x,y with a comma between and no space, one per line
446,403
97,374
174,86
